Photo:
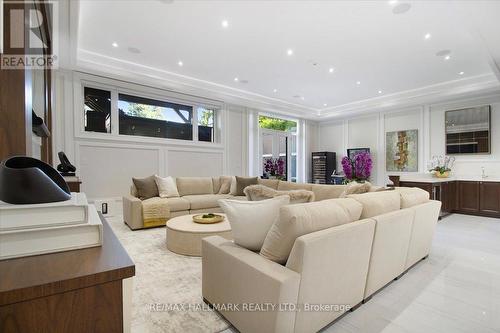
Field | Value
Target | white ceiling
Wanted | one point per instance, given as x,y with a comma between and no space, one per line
363,40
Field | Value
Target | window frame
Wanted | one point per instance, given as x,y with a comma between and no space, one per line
116,87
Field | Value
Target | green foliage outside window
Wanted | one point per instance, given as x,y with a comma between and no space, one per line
277,124
145,111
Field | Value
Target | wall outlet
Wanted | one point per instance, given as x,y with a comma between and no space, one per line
104,208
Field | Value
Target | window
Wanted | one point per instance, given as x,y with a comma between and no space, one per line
97,108
205,124
277,124
148,117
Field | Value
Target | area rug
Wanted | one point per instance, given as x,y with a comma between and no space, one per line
167,287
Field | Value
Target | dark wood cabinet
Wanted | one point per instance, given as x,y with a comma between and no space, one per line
489,194
449,196
460,196
468,197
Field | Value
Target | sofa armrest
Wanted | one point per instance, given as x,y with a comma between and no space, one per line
333,264
232,275
132,212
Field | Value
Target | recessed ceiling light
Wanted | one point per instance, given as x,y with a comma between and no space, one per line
289,52
401,8
461,73
225,24
324,104
358,82
275,90
427,36
380,91
331,69
115,44
180,63
448,57
392,2
236,79
302,98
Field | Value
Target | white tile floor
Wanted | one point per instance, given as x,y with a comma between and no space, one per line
457,289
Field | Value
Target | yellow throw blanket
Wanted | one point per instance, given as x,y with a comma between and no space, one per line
155,212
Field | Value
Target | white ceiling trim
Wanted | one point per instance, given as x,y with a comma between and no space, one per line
103,65
486,83
92,62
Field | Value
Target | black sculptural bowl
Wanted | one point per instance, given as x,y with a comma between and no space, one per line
26,180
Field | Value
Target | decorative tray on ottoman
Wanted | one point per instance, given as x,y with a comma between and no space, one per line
208,218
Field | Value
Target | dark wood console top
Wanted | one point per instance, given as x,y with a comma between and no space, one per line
42,275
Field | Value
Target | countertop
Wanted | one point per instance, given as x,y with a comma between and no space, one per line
428,178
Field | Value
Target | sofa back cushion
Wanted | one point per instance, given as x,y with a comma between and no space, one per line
324,192
272,183
262,192
286,186
250,220
377,203
412,196
301,219
194,185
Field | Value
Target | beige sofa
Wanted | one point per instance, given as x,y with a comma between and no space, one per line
338,267
198,195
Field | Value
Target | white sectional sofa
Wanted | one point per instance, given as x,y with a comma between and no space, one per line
337,267
200,195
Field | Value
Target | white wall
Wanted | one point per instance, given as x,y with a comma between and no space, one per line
369,131
106,164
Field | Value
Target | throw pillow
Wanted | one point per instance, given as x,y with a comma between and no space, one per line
242,182
146,187
167,188
355,188
250,220
297,220
225,184
262,192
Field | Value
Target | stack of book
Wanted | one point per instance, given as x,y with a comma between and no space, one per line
44,228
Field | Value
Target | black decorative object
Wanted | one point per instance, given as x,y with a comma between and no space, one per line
38,126
65,168
26,180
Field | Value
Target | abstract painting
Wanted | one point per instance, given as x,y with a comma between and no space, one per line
401,151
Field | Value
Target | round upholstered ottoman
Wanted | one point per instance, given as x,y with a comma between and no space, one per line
184,236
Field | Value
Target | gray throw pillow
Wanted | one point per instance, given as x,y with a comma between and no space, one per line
242,182
146,187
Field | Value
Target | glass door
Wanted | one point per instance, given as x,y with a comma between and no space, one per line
277,161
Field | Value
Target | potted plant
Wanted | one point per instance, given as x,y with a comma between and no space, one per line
441,166
274,168
358,168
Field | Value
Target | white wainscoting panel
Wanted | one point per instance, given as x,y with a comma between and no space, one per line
192,163
106,170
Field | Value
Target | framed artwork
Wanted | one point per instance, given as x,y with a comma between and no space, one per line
353,151
401,151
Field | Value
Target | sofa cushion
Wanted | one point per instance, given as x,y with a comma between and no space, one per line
200,201
262,192
167,188
377,203
356,188
250,220
177,204
272,183
286,186
216,182
194,185
324,192
225,184
301,219
146,187
412,196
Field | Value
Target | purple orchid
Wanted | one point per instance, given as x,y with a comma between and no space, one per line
358,168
